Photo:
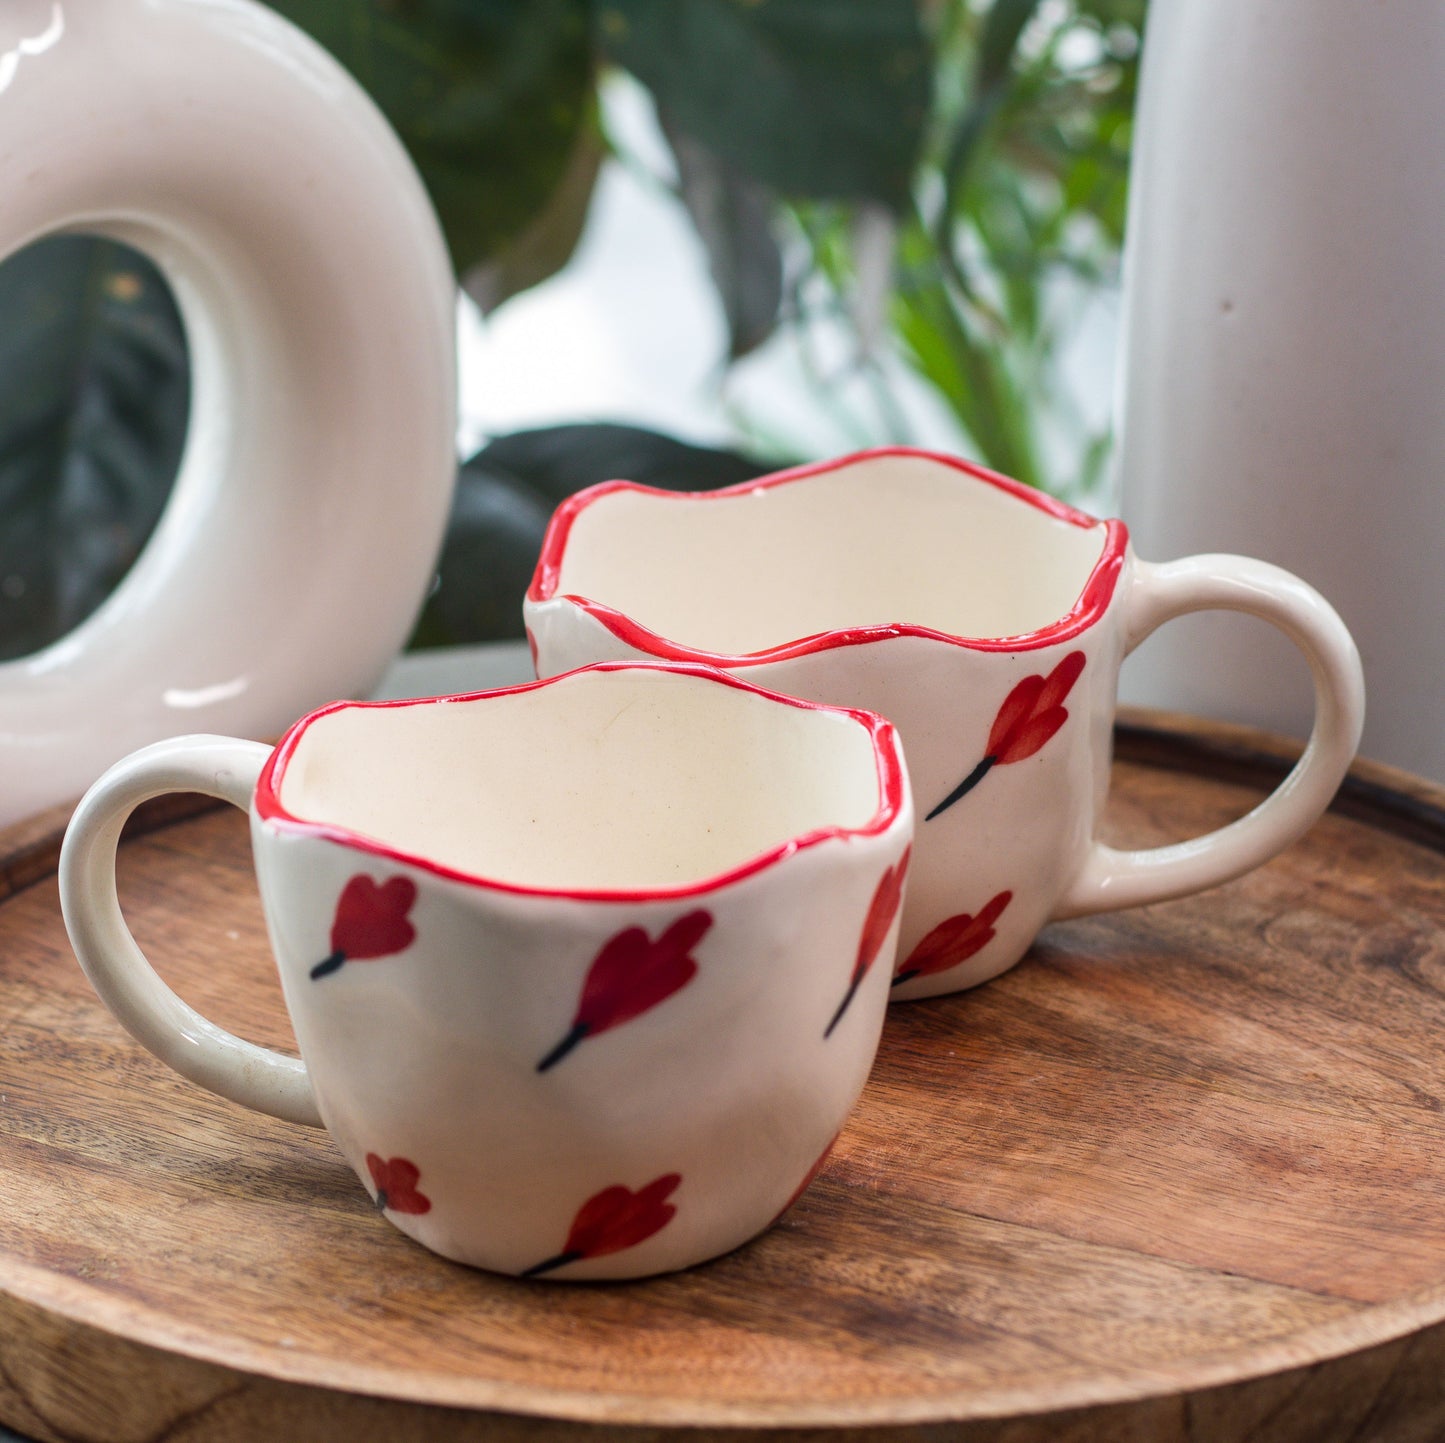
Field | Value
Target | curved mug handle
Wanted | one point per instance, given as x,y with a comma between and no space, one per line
319,309
219,1061
1110,879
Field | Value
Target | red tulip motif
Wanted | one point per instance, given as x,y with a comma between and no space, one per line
614,1219
371,921
881,912
953,941
1032,712
396,1181
630,976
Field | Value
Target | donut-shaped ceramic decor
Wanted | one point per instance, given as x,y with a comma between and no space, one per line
318,300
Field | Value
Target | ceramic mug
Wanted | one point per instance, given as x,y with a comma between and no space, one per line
319,303
586,975
989,623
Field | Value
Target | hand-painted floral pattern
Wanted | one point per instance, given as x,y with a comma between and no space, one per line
396,1181
953,941
631,975
614,1219
1030,715
881,912
371,921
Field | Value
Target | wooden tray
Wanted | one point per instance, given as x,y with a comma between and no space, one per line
1179,1176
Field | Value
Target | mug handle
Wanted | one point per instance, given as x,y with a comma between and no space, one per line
220,767
1110,879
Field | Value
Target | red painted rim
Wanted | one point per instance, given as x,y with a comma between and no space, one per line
887,756
1093,600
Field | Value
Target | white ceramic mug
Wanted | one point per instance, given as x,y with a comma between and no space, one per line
318,302
989,623
586,975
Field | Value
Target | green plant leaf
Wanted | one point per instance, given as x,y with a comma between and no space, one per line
94,401
975,377
1129,13
820,98
734,217
993,66
547,242
561,460
487,95
505,497
1001,31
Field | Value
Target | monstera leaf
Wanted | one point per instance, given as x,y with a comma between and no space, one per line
505,496
94,397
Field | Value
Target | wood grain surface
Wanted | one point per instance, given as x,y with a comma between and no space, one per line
1178,1176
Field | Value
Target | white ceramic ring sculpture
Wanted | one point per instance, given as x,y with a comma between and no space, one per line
318,300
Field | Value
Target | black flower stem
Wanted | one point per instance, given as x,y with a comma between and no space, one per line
903,977
963,788
560,1261
330,964
843,1005
578,1032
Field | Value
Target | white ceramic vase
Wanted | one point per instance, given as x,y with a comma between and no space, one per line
1283,386
318,300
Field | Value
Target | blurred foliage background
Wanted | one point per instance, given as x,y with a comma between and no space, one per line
943,179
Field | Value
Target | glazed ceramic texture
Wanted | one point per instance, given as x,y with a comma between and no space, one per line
1284,341
988,623
318,302
586,975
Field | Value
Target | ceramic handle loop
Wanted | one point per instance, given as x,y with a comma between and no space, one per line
118,970
1110,879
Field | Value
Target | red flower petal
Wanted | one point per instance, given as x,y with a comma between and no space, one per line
881,912
371,920
1033,711
396,1179
1030,737
955,940
1017,708
1060,681
632,973
618,1218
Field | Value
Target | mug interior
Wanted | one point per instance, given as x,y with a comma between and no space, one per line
891,539
607,779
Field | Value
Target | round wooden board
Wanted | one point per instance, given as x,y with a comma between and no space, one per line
1179,1176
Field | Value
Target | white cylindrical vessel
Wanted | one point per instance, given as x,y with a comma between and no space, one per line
1283,384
